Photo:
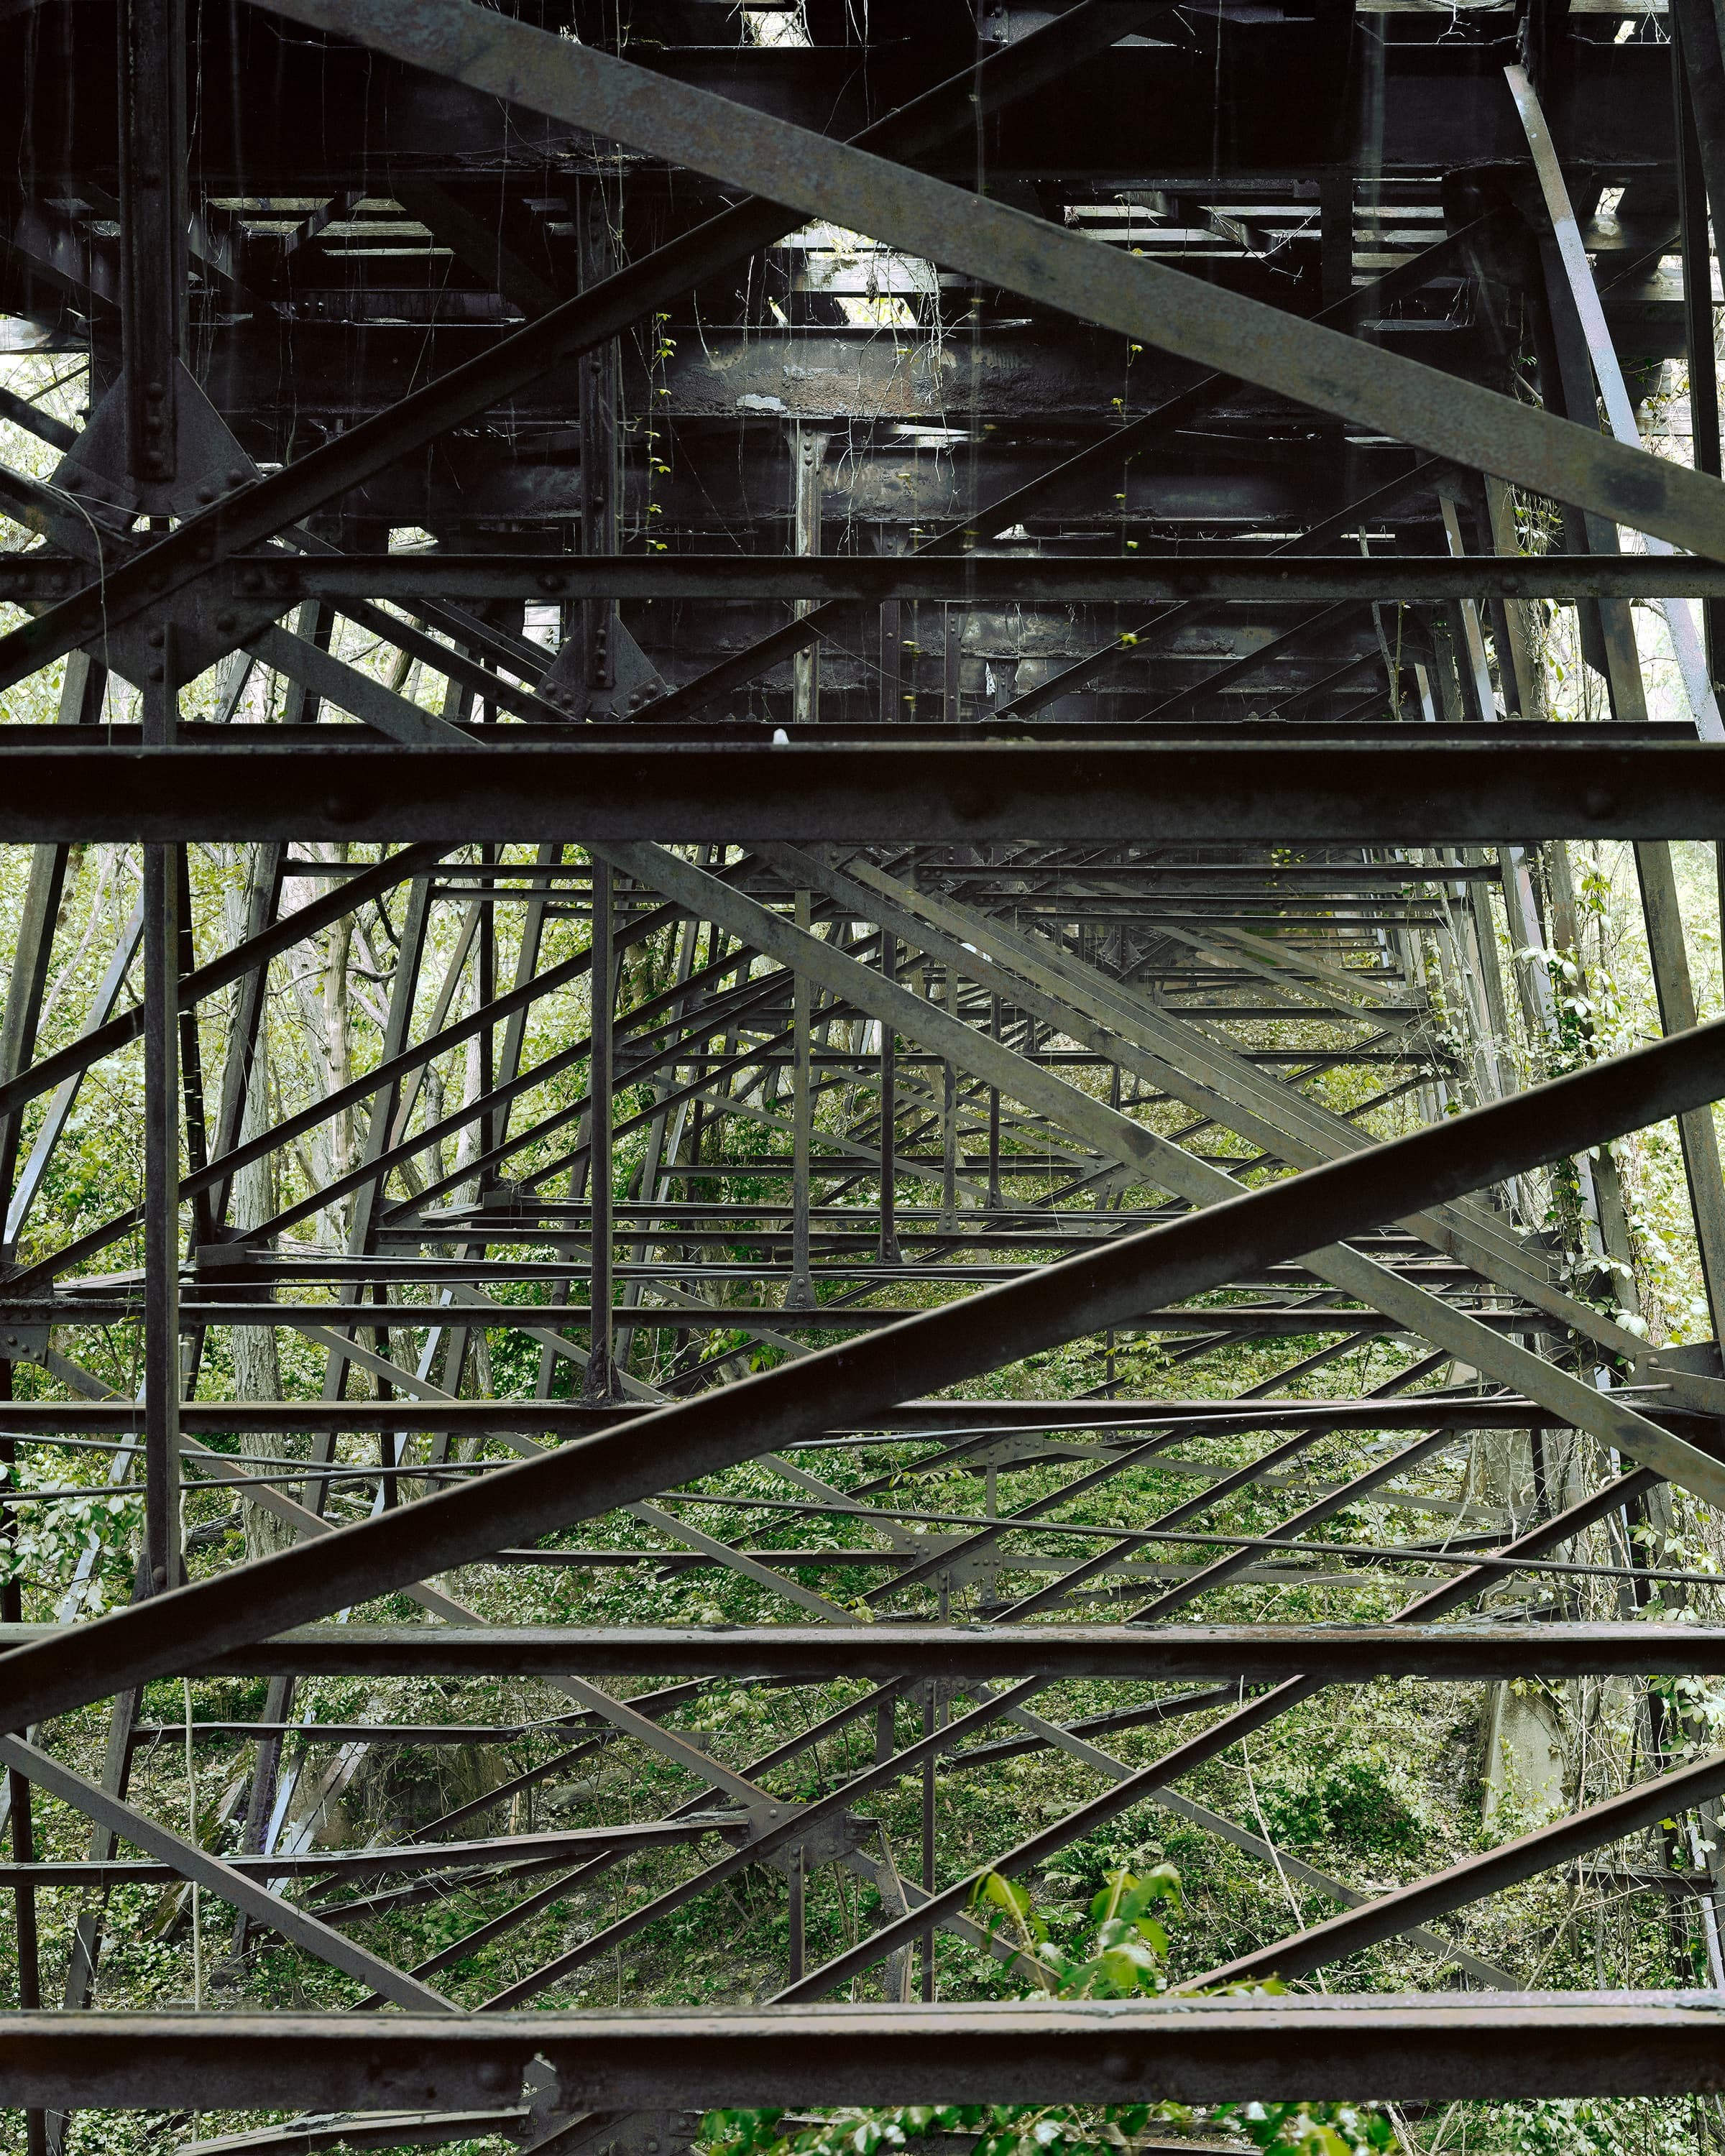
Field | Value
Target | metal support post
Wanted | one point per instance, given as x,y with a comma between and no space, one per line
808,455
24,1840
600,1383
153,217
930,1722
162,1218
1670,958
949,1120
1694,242
800,1295
596,379
893,658
995,1198
796,1915
889,1253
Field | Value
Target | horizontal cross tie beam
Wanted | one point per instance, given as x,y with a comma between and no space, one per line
1258,1654
1281,790
1519,2044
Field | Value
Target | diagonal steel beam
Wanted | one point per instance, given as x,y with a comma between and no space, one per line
1159,1159
71,1062
656,1452
1472,1880
581,86
1251,1716
216,1877
947,115
1209,1075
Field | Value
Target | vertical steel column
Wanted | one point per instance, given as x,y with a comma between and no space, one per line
596,380
808,456
1694,244
153,217
162,1204
599,1381
1698,80
949,1120
800,1295
17,1790
192,1057
1672,985
994,1114
796,1914
1701,66
933,1715
892,654
1336,237
889,1112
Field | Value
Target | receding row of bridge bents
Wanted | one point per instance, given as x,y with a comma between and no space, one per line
850,1028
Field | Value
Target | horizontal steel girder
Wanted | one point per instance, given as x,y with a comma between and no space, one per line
1519,2044
974,580
1282,792
879,1370
1254,1653
1143,299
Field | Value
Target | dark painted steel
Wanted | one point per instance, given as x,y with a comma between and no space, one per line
1279,792
1078,1296
1526,2044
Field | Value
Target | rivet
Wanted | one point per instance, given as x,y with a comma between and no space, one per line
236,478
251,580
205,492
157,638
227,622
157,671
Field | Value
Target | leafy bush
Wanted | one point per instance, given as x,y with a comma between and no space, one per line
1355,1804
1120,1954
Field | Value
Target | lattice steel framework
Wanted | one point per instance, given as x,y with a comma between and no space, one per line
867,809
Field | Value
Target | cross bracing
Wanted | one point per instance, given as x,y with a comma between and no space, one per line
808,1072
